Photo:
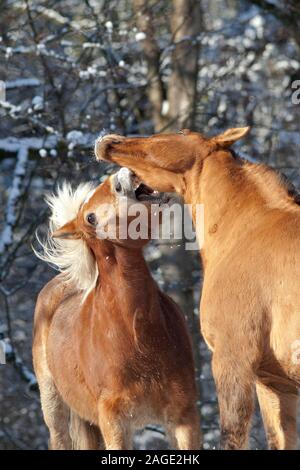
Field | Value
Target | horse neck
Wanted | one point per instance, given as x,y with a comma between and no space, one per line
125,281
234,196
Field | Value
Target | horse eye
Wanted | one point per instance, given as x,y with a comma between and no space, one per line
118,187
91,218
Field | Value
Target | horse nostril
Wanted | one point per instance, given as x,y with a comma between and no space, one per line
118,187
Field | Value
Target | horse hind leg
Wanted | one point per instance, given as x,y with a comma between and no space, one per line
56,415
185,433
114,426
84,436
279,411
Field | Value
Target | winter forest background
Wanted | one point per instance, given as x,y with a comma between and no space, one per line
75,69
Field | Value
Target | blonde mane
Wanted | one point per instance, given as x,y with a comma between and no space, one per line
73,258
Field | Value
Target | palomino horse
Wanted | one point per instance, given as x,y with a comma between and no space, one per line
110,350
250,305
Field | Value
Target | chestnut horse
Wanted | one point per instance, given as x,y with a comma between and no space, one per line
111,352
250,305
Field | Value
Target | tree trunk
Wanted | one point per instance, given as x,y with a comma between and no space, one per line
186,25
145,22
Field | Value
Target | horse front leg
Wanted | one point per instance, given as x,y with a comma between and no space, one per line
235,390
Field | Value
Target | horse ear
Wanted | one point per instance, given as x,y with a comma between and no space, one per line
230,136
68,231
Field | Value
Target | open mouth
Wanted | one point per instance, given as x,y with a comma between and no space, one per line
144,193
